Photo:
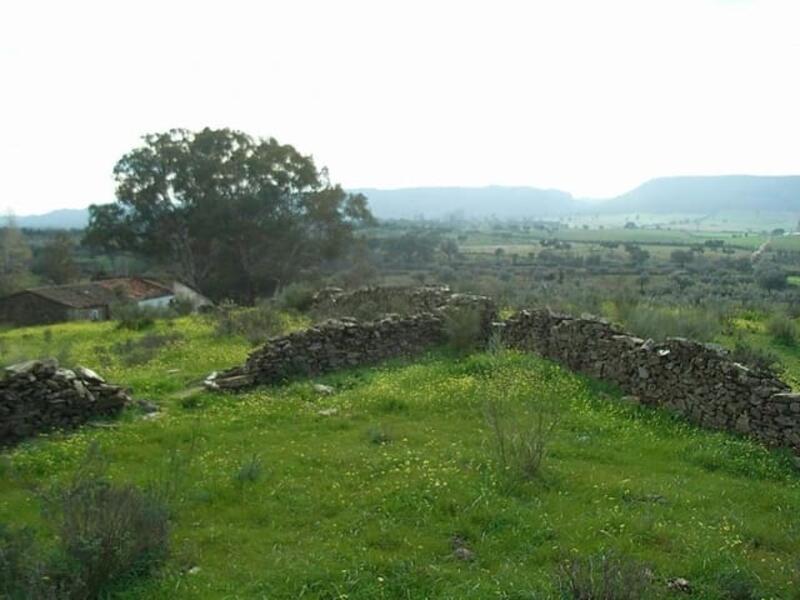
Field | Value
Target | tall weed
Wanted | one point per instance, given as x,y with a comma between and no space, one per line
519,439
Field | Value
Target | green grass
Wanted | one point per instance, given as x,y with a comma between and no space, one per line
192,352
281,497
753,329
677,236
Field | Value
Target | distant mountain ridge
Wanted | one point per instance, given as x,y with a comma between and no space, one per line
64,218
690,194
709,194
469,202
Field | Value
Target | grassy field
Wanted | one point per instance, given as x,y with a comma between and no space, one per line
678,237
283,493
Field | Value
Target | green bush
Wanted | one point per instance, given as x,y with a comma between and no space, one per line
22,570
754,357
296,296
378,435
737,585
660,323
519,439
256,324
772,279
782,329
462,328
108,533
248,472
141,351
604,577
182,307
136,318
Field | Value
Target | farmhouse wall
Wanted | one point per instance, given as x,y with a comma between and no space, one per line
38,396
25,308
97,313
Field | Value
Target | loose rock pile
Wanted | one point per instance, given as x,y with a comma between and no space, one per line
38,396
698,381
337,344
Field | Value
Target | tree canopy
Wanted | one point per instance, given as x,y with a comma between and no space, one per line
236,216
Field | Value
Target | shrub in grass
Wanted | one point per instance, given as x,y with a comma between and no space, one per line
378,435
755,357
248,472
256,324
604,577
108,533
137,318
182,307
660,323
145,349
782,329
22,573
462,328
495,345
296,296
519,440
735,584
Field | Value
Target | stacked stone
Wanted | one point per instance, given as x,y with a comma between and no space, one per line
698,381
342,343
38,396
418,299
332,345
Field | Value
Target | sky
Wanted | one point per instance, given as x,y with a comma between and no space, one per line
592,97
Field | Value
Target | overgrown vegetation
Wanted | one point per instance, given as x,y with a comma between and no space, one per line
256,324
134,317
782,329
659,323
519,436
106,535
141,350
605,577
399,461
755,357
462,328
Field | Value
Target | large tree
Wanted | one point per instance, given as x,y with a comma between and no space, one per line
235,215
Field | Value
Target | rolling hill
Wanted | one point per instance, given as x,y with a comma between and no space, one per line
65,218
708,195
696,194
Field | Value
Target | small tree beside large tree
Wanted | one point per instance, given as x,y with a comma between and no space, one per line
234,215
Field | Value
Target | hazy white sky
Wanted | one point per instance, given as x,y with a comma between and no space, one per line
588,96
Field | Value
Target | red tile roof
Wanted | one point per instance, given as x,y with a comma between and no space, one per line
103,292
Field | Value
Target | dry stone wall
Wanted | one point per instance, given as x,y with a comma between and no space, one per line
341,343
376,299
696,380
38,396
